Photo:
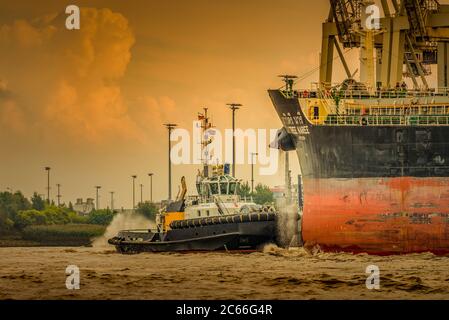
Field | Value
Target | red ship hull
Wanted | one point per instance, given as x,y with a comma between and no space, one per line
377,215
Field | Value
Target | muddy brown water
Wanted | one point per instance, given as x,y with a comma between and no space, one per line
274,273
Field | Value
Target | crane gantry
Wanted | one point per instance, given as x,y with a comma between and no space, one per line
411,33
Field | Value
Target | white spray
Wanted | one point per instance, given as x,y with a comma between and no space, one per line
288,229
126,220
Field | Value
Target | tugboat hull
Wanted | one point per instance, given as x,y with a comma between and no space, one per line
238,235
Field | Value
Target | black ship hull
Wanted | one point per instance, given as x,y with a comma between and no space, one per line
376,189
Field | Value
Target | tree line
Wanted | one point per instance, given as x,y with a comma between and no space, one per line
17,212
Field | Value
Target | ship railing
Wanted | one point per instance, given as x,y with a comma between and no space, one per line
394,94
382,120
363,94
290,94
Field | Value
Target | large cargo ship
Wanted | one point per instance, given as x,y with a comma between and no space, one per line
374,156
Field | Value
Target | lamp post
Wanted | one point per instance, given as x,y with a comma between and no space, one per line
252,170
112,200
134,191
234,107
170,127
141,193
151,186
59,194
97,199
48,183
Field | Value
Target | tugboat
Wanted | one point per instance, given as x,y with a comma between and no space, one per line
217,219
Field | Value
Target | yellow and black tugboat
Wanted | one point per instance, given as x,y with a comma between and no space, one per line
217,219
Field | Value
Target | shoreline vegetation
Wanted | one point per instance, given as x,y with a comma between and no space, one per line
36,222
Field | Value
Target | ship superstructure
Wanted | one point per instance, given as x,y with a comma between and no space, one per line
217,190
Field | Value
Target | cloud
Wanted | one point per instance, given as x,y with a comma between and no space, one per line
65,85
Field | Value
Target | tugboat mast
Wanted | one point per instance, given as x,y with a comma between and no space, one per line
205,140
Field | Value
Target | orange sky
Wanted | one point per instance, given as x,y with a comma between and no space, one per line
91,103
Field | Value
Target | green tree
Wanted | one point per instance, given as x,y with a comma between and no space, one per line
101,217
147,209
10,205
27,218
244,190
37,203
262,195
51,215
75,218
56,215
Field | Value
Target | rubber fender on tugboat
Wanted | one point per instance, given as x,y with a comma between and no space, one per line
192,223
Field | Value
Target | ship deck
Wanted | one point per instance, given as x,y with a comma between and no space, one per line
379,108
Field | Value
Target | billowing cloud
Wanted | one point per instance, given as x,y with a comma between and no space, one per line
65,84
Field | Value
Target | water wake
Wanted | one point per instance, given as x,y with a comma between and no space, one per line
288,224
122,221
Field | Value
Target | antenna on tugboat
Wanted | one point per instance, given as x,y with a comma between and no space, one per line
170,127
204,127
233,107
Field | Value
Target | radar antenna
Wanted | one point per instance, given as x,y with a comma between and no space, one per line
289,81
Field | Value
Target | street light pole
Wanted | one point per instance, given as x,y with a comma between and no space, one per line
141,193
233,107
59,194
252,170
98,203
48,183
170,127
134,191
112,201
151,186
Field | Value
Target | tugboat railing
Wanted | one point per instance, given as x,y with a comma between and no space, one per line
139,231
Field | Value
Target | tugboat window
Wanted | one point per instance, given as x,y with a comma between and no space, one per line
232,188
214,188
224,188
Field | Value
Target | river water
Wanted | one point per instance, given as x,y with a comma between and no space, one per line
274,273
